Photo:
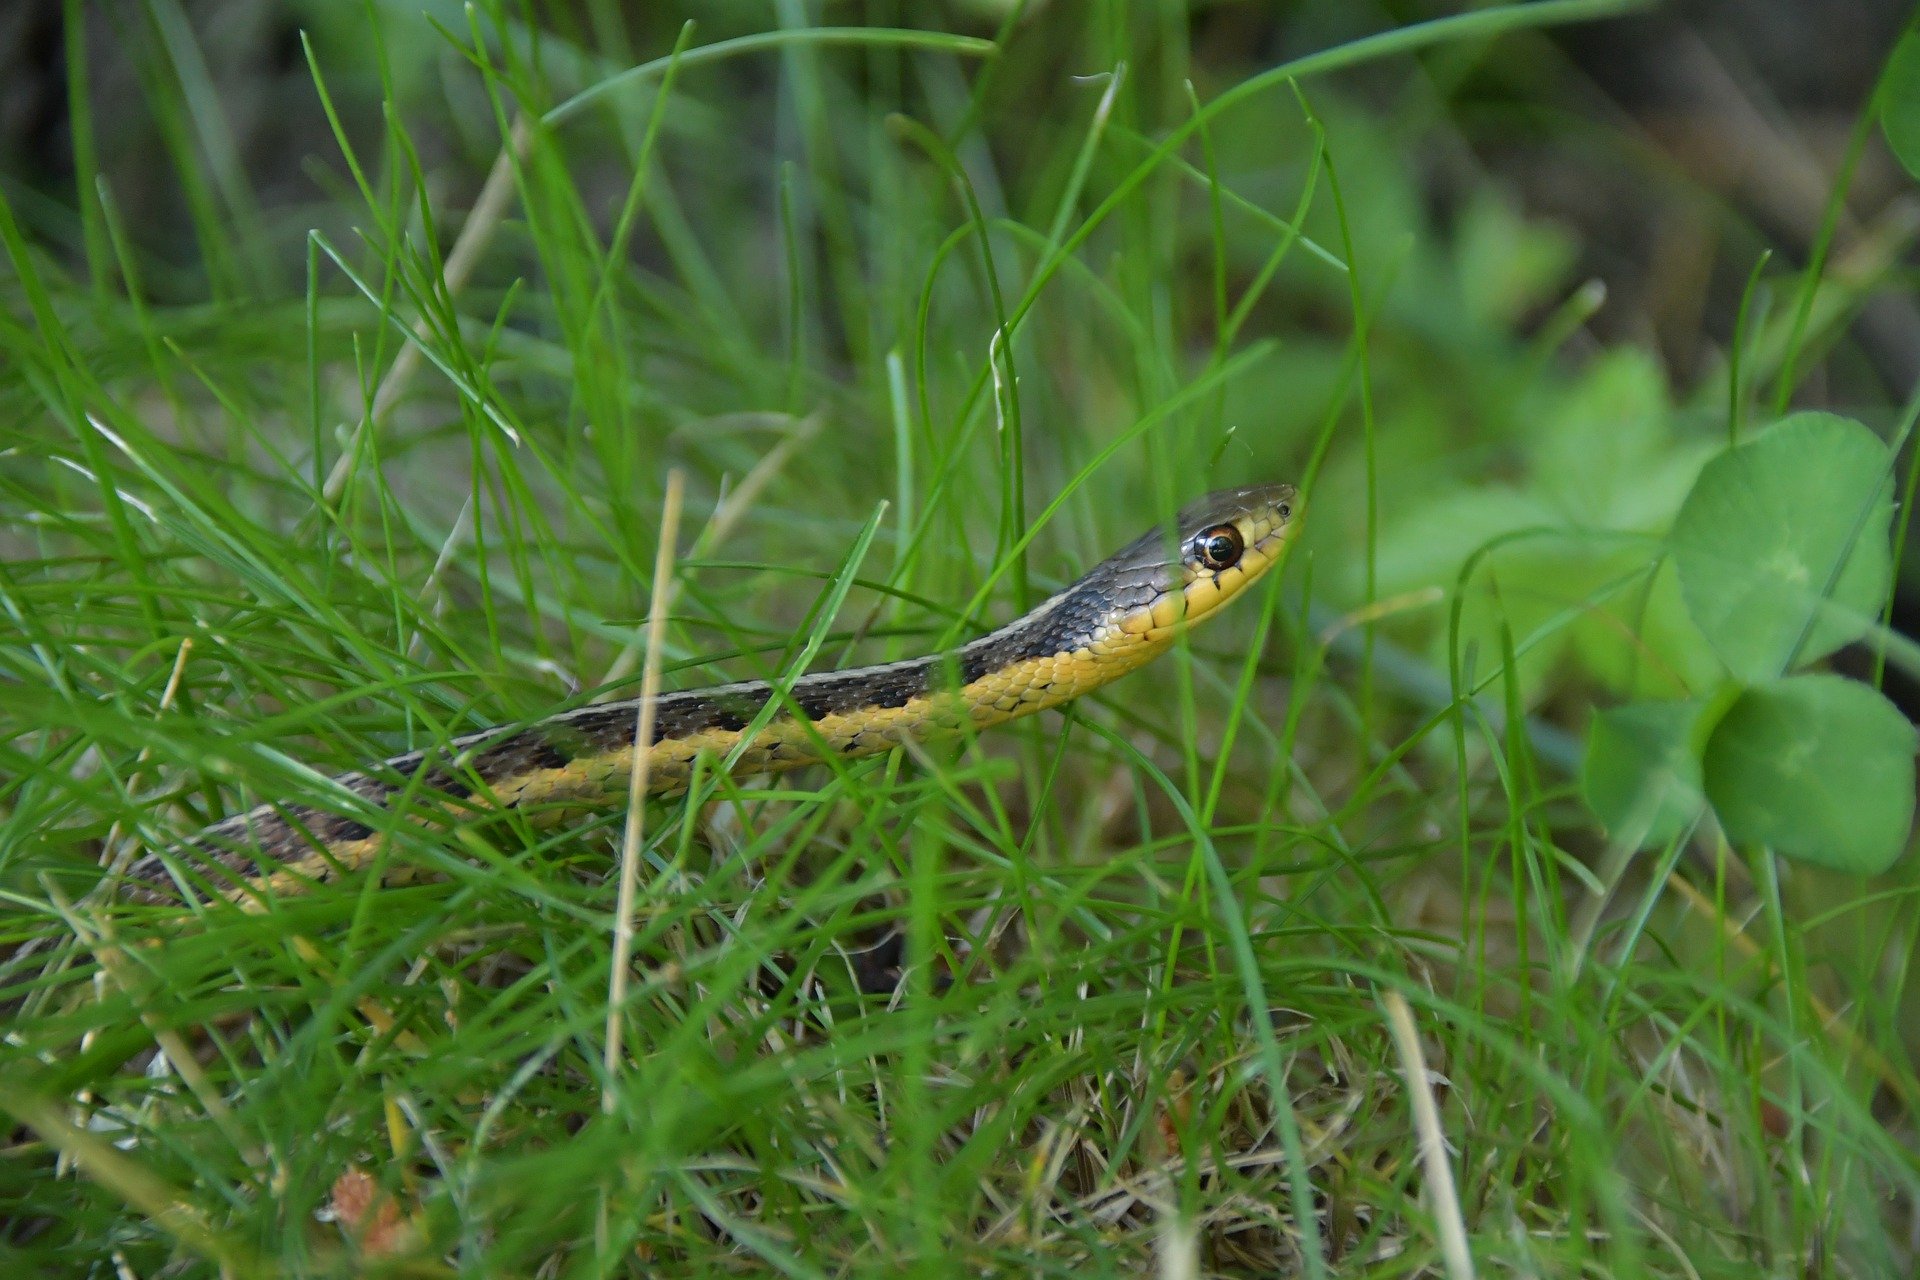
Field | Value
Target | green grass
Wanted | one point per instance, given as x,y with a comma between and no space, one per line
259,527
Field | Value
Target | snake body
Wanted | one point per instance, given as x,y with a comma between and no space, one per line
1124,612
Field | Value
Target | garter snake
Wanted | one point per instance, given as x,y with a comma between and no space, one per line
1125,611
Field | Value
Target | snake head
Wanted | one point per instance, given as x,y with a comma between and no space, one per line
1214,548
1131,605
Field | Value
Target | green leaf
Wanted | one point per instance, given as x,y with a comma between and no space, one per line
1642,775
1642,643
1761,540
1900,105
1817,767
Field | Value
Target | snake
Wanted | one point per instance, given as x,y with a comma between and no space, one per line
1124,612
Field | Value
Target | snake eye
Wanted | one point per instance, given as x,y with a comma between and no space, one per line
1219,548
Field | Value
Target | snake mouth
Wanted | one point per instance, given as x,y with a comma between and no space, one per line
1273,540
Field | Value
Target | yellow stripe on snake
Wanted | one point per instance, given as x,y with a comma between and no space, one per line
1123,613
